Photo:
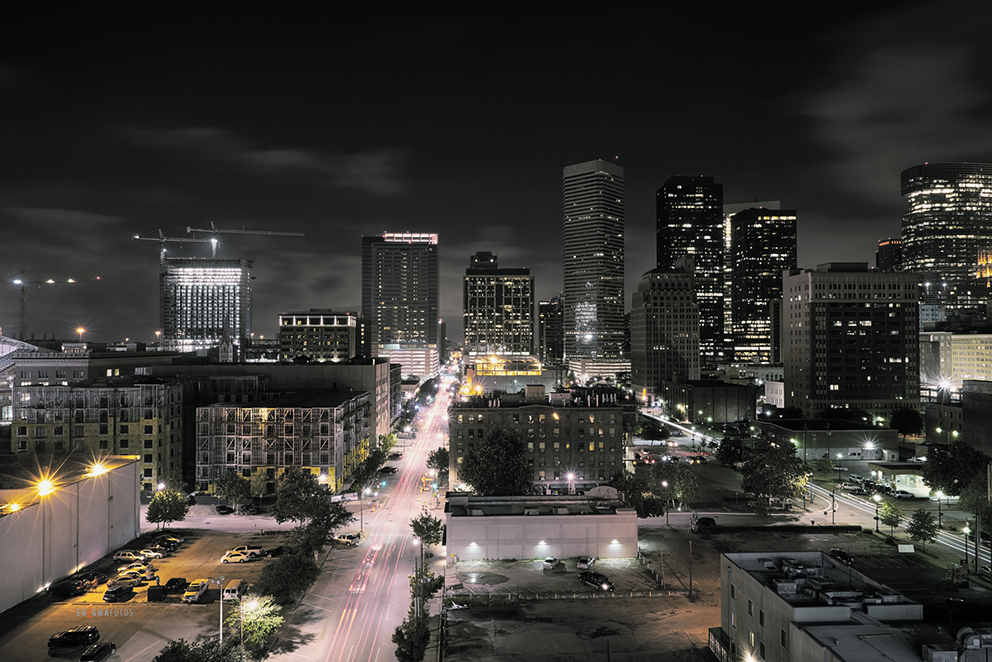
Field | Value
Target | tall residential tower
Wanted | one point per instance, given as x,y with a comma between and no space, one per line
498,308
204,300
593,266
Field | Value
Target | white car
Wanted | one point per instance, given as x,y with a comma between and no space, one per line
140,575
903,494
235,557
585,562
151,554
550,563
137,565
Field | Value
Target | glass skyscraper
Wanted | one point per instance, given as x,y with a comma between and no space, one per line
947,230
593,267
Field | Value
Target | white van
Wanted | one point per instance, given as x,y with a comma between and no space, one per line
235,589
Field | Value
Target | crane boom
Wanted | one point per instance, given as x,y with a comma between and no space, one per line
25,278
215,230
162,239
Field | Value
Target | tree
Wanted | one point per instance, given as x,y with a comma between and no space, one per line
287,576
773,470
299,497
203,649
167,506
682,487
654,432
951,469
259,484
498,465
906,421
730,452
233,488
890,514
387,442
824,465
922,527
428,528
255,618
635,493
366,472
411,639
438,461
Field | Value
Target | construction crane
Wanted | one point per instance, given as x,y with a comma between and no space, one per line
25,278
214,231
162,239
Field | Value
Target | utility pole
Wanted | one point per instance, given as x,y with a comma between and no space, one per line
690,570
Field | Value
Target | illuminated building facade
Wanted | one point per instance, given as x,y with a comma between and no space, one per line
947,228
203,301
690,224
400,297
551,330
888,257
664,329
320,335
498,308
850,339
142,417
763,245
593,261
324,433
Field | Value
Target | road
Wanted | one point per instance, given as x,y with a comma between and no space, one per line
364,593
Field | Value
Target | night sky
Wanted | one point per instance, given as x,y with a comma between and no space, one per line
339,125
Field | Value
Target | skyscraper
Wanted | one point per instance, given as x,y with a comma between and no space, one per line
888,257
498,307
400,299
550,334
762,246
664,329
947,230
593,266
203,300
850,339
690,224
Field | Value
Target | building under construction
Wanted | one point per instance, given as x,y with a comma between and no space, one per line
204,301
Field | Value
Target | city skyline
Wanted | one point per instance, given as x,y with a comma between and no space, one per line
365,125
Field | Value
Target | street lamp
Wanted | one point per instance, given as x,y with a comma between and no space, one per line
876,498
940,512
839,456
79,332
965,531
220,587
571,477
668,500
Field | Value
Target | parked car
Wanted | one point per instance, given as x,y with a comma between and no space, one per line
550,563
137,565
140,575
859,491
274,552
93,578
985,571
129,580
98,652
855,478
150,553
597,579
176,585
703,523
120,593
841,555
846,486
249,509
903,494
250,550
74,637
396,456
235,557
68,588
172,535
224,510
196,589
387,470
838,467
128,555
585,562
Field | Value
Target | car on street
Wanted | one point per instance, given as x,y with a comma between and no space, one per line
597,579
838,467
550,563
120,593
396,456
176,585
859,491
387,470
128,555
841,555
703,523
236,557
195,589
75,637
846,486
903,494
224,510
585,562
98,652
92,577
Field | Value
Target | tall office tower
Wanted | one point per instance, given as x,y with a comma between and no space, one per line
690,224
850,339
763,245
498,308
550,333
400,299
947,229
728,267
593,267
888,257
320,335
664,329
204,300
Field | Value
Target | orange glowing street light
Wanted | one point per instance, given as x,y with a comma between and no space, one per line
45,486
80,331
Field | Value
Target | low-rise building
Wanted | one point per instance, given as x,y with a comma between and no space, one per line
815,438
537,527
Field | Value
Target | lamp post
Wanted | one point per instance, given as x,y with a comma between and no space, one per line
876,498
940,512
668,501
571,477
220,584
839,456
965,531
